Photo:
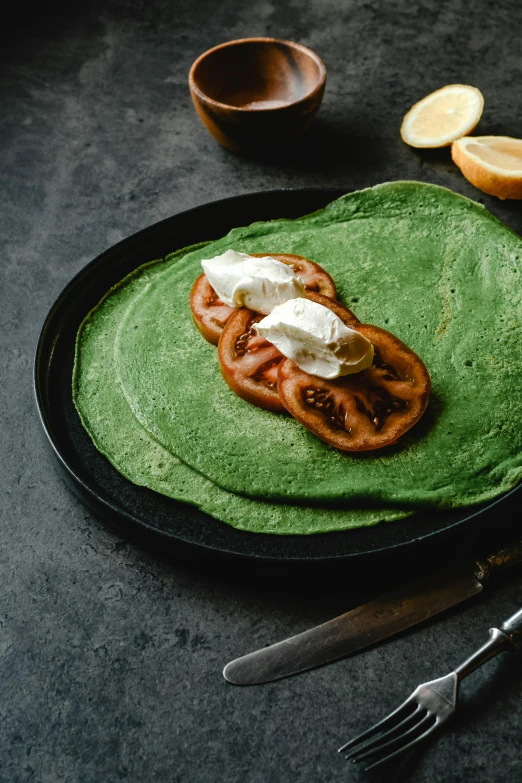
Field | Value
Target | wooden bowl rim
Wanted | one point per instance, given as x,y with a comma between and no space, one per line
291,44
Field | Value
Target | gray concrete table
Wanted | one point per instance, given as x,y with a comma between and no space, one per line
110,657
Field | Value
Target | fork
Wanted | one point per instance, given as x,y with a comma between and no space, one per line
429,706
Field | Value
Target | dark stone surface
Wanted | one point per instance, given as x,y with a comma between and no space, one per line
110,657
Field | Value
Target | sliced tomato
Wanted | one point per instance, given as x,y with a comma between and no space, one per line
346,315
249,363
366,410
313,276
210,314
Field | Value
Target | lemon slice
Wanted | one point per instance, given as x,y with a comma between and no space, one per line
443,116
491,163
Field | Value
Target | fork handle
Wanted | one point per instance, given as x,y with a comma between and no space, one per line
500,640
512,627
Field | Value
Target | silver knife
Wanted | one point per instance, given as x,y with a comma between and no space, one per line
370,623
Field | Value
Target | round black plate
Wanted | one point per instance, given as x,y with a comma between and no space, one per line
147,516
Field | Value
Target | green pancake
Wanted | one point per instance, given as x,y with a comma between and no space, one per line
434,268
107,417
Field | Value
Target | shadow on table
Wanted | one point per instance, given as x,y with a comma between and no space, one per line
24,17
327,148
360,575
312,594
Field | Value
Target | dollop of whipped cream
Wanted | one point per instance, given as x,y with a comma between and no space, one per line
260,284
316,339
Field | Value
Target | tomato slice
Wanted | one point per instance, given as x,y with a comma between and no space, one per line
210,314
313,276
364,411
250,364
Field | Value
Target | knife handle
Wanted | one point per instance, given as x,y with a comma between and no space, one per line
501,560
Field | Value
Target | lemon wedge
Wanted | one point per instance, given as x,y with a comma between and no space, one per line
443,116
491,163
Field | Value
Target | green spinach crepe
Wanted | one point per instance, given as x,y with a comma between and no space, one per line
435,269
114,430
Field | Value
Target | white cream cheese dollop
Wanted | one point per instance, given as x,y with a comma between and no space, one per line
316,339
260,284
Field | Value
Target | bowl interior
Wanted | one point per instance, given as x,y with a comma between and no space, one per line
258,74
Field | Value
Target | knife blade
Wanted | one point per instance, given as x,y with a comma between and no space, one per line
370,623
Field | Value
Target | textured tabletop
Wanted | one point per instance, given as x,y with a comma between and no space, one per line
111,656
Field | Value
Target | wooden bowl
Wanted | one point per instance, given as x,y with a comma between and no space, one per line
255,92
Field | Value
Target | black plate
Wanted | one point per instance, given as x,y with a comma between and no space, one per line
147,516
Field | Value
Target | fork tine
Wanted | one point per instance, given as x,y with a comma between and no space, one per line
378,747
404,747
385,723
368,748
